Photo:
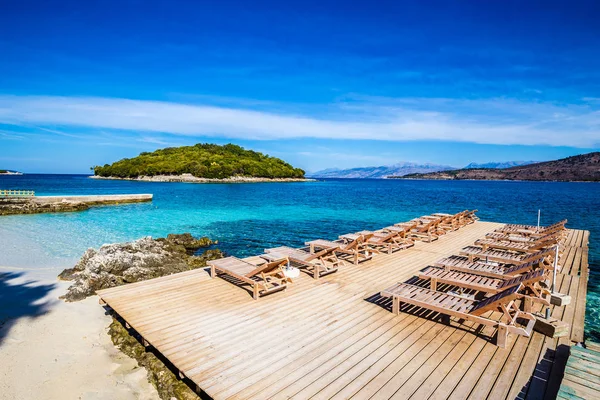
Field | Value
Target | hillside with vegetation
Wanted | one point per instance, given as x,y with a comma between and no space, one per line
583,167
208,161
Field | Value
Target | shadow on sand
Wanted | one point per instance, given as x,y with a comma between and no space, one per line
20,298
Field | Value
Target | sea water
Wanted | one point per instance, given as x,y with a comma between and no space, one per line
246,218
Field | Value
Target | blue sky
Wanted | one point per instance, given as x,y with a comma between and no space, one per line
320,84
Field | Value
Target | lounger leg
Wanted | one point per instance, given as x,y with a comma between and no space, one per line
255,292
316,271
355,258
433,283
502,336
527,304
396,305
213,272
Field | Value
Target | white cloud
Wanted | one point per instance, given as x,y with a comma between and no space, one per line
493,121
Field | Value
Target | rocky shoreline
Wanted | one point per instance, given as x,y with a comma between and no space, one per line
189,178
26,206
120,263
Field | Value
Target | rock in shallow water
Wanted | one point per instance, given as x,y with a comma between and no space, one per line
146,258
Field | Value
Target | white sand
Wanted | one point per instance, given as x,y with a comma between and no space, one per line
64,353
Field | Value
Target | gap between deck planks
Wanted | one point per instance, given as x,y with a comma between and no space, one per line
323,339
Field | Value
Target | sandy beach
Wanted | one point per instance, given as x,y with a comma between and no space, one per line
51,349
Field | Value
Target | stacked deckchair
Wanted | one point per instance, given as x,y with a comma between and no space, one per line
490,275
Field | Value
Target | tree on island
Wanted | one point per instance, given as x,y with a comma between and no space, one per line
203,160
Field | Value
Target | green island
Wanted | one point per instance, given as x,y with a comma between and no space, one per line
203,160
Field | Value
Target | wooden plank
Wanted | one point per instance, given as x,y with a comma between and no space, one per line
577,330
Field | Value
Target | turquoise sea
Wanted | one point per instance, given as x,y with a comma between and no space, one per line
246,218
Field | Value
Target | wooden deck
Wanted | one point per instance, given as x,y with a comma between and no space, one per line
582,374
336,338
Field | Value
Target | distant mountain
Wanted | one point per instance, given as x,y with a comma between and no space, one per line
584,167
499,165
380,172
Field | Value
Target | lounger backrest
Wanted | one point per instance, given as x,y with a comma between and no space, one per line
541,254
353,244
522,267
388,236
559,224
319,254
494,302
267,267
426,227
531,277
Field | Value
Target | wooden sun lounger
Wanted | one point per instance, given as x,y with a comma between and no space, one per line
533,229
389,241
524,247
491,269
529,282
443,223
426,232
321,263
512,237
355,248
466,309
402,229
264,279
454,221
503,256
470,217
